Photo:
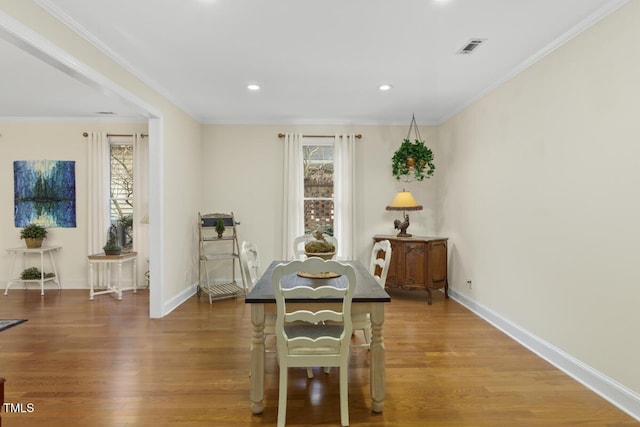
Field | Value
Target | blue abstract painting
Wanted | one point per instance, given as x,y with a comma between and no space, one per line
45,192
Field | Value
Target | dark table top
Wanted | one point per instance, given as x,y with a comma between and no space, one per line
367,288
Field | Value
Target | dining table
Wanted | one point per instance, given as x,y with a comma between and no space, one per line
368,297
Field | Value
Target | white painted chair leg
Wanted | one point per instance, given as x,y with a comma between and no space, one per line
282,401
367,336
309,373
344,397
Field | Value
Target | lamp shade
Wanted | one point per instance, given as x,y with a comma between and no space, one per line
404,201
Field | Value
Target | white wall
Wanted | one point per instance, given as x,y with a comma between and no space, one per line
539,195
242,171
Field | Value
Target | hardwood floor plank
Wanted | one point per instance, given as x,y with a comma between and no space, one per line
105,363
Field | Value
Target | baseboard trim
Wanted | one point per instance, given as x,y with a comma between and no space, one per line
619,395
179,299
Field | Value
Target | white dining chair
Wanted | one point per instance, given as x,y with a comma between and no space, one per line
300,254
381,263
250,266
379,268
304,338
298,246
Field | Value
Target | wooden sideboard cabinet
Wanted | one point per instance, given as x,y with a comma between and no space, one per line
417,263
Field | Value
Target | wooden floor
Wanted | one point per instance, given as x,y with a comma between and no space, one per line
105,363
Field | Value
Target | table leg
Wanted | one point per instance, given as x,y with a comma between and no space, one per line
256,383
91,293
135,276
12,273
377,358
119,290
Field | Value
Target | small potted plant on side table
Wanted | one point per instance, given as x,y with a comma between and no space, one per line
33,235
112,247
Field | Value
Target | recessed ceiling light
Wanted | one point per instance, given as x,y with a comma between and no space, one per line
385,87
253,86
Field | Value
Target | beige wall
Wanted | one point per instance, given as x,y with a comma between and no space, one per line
539,194
242,169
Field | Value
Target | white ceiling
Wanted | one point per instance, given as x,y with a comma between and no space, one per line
316,61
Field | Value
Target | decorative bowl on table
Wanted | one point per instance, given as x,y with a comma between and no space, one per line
325,275
323,255
320,247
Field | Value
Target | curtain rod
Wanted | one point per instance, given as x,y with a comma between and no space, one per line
281,135
143,135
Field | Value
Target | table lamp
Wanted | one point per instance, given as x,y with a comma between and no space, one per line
403,201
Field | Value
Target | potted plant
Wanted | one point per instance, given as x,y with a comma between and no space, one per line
220,227
112,247
319,247
413,158
33,273
33,234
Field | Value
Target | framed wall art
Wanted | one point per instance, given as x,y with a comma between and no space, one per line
45,193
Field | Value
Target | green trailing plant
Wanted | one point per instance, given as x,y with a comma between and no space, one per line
413,158
220,226
33,273
33,231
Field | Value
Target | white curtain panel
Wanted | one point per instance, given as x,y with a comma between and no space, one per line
292,212
344,184
98,191
141,203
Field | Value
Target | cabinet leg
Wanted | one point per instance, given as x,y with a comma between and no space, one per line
446,288
429,296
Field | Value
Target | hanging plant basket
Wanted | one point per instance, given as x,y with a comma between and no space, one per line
413,159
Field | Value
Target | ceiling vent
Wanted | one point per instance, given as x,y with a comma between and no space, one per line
470,46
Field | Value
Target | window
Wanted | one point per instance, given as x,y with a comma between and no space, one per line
319,179
121,200
318,186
